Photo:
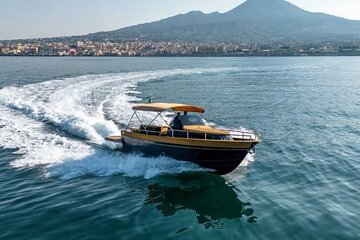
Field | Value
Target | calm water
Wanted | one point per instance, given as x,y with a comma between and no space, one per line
60,180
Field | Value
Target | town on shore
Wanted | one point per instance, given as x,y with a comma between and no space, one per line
41,47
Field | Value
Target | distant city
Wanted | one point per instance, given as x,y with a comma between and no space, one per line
43,47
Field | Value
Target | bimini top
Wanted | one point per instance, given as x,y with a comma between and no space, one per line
159,107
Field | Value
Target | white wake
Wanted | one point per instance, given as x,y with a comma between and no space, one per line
51,124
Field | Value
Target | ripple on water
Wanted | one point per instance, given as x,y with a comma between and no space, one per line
60,178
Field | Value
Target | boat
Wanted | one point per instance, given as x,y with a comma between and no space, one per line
186,136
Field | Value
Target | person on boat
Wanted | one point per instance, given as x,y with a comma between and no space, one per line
177,124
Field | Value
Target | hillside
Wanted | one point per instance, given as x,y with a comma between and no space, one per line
254,20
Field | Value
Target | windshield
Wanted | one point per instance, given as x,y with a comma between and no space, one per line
191,120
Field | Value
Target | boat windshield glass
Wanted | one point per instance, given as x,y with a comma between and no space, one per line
191,120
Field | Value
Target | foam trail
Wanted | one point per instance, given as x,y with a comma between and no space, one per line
78,107
67,158
104,163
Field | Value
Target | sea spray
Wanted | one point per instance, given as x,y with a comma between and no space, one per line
57,119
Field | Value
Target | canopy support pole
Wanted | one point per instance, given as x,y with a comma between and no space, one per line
159,114
140,120
130,121
167,123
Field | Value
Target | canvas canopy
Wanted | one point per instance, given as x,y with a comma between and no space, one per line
159,107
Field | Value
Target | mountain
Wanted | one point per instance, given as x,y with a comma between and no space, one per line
254,20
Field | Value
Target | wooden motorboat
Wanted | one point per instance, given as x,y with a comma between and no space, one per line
187,137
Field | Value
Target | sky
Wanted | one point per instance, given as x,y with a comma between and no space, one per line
50,18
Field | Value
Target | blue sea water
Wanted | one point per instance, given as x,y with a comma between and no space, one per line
59,179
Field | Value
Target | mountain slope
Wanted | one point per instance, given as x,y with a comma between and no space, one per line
254,20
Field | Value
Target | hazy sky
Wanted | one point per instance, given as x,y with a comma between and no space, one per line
48,18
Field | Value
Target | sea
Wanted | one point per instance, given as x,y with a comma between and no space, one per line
59,179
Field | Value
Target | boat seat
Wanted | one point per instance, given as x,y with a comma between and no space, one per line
164,130
151,129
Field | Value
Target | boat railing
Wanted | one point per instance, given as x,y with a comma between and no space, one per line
244,135
235,135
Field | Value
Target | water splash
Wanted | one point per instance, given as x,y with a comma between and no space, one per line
78,106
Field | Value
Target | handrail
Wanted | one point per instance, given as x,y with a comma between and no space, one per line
243,135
